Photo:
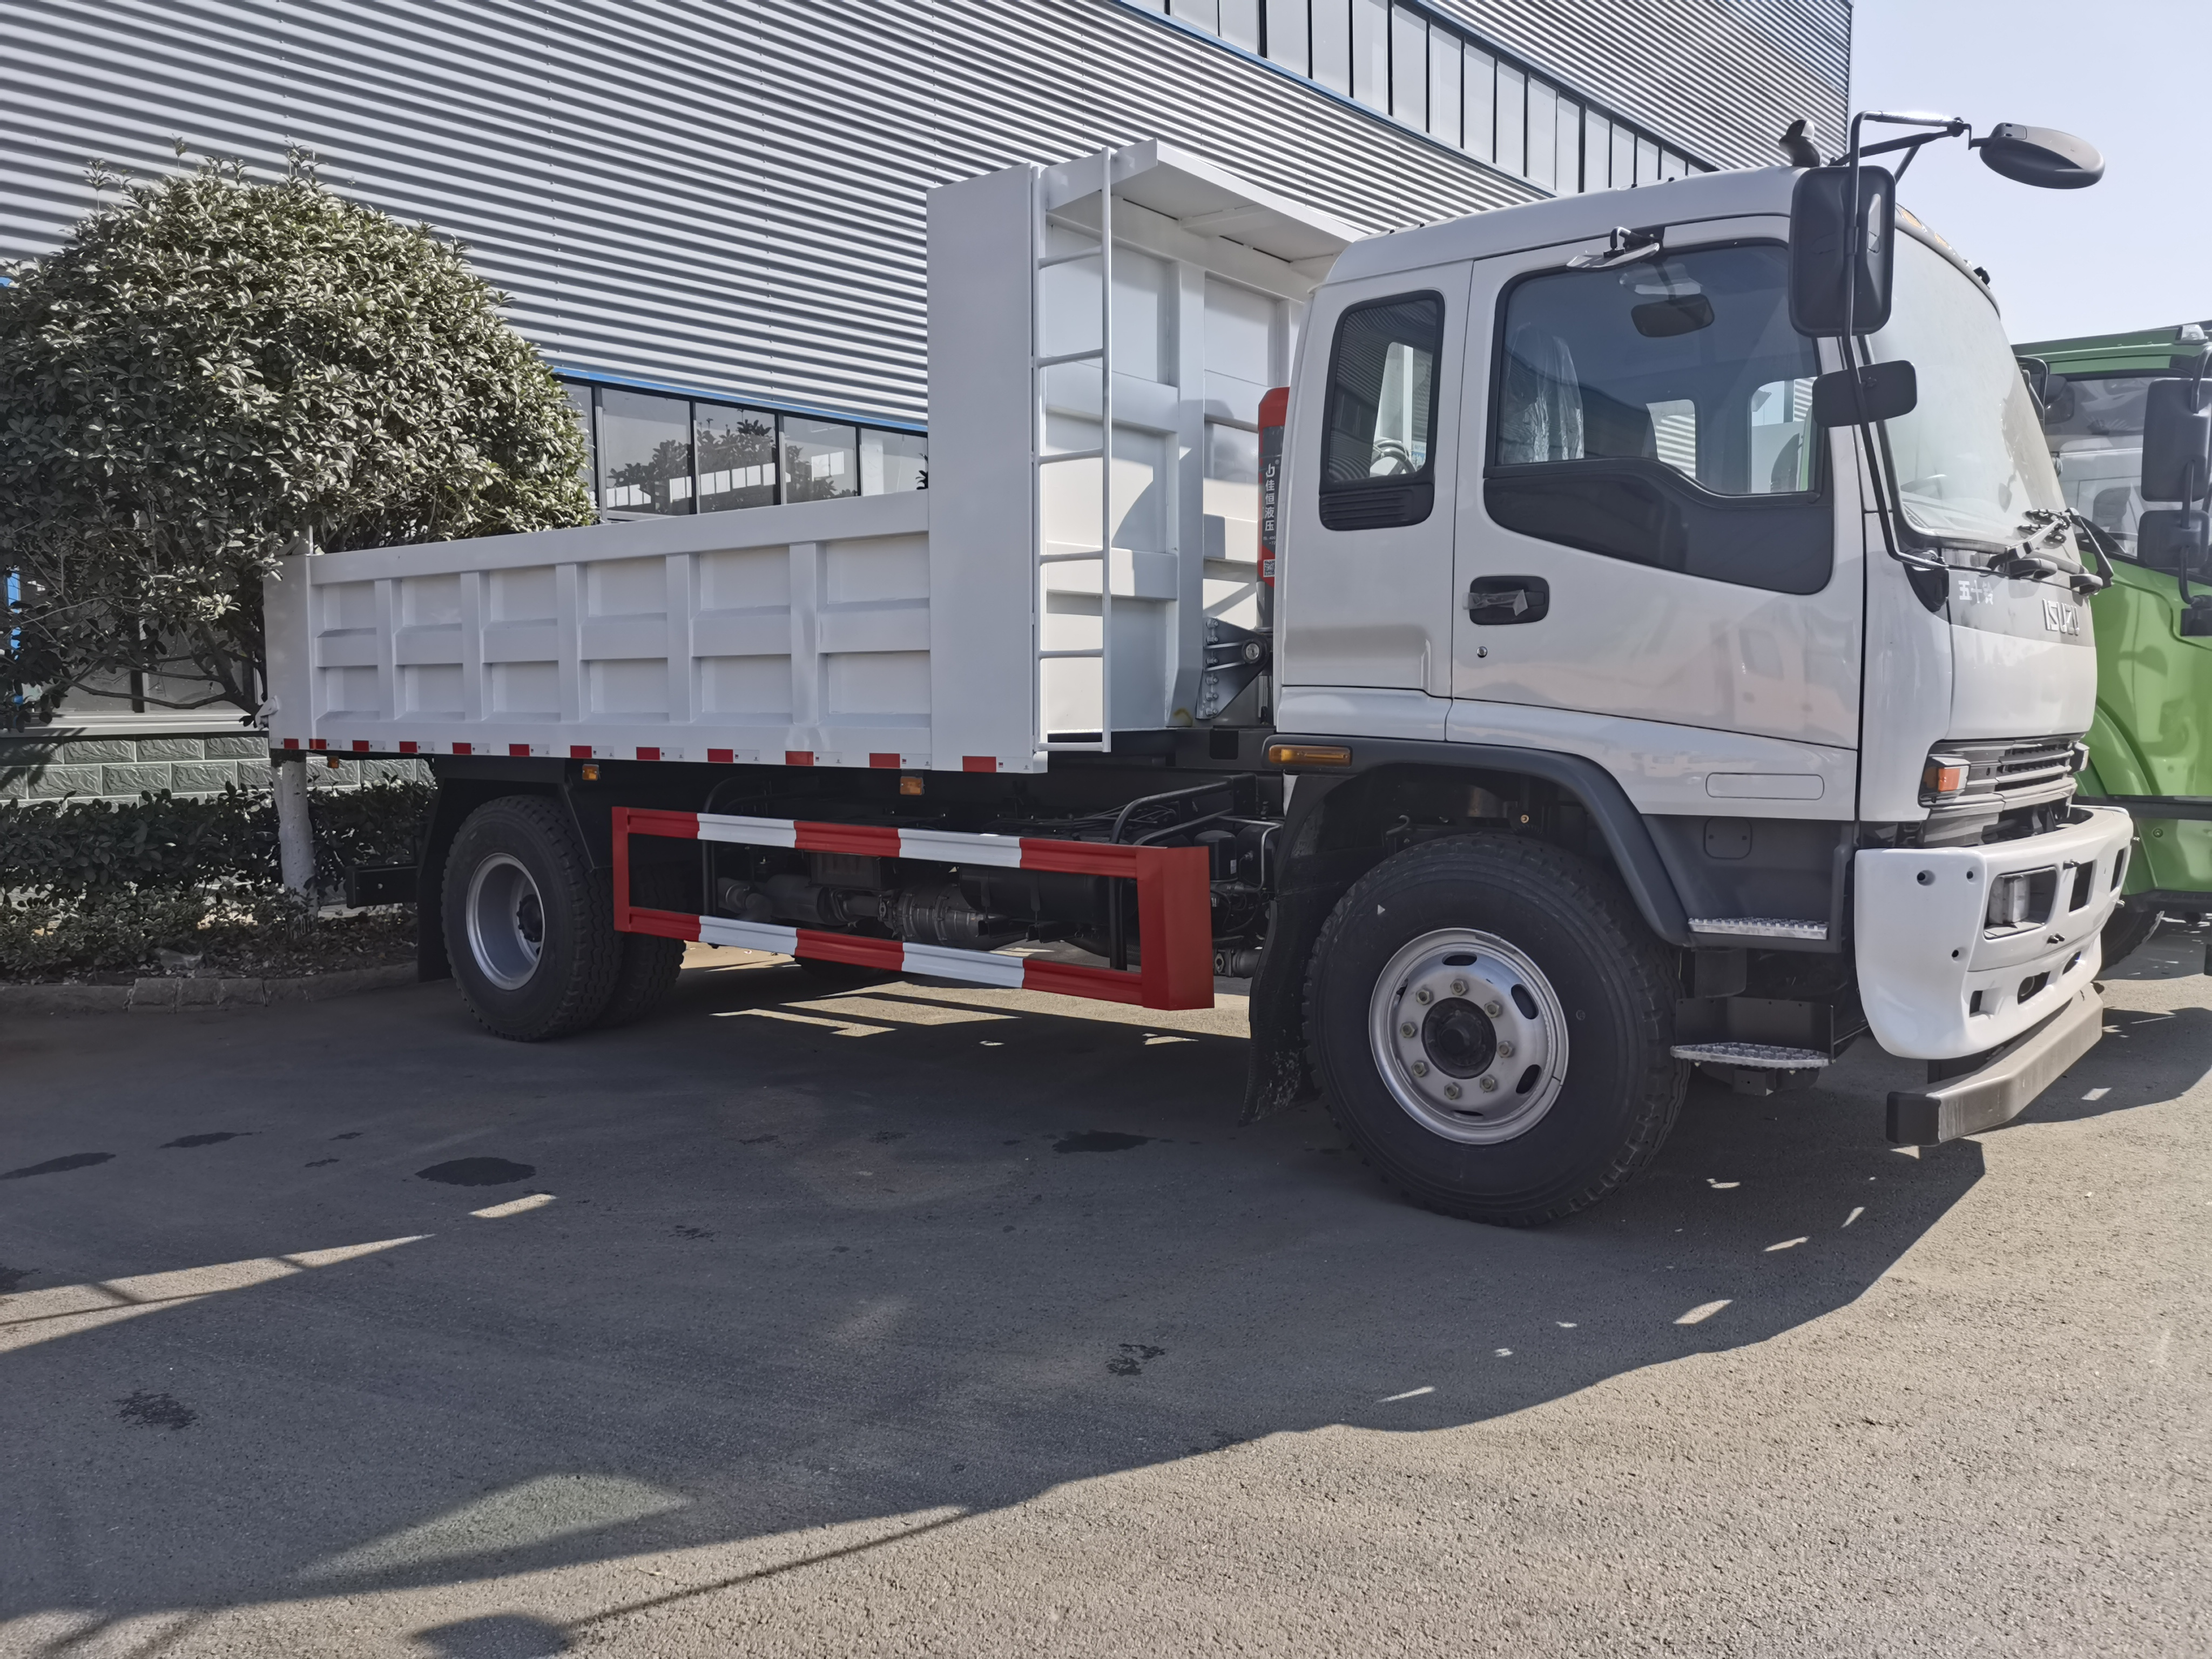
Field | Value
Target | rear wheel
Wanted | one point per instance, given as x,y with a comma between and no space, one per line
529,928
2128,930
648,964
1491,1022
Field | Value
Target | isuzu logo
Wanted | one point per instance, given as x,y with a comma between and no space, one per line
2060,618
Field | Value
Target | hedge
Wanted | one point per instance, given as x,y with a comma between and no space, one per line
70,851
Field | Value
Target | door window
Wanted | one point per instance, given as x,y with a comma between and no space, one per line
1377,460
1661,412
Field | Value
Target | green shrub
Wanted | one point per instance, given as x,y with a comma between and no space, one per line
65,852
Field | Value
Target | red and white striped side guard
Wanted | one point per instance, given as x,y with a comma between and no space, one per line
1175,916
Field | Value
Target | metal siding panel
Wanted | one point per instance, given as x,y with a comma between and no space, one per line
729,197
1720,77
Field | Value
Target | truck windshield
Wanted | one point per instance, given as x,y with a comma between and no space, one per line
1970,461
2095,428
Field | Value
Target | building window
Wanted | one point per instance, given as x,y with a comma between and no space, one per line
645,446
654,452
737,457
821,460
892,461
1418,67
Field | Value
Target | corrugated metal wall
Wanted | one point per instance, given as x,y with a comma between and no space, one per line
726,196
1720,77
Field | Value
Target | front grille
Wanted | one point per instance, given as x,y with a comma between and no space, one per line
2006,779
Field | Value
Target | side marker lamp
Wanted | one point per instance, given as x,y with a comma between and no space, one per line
1309,754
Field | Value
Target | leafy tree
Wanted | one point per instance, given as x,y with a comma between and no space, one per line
214,367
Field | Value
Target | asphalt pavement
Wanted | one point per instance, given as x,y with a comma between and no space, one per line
934,1319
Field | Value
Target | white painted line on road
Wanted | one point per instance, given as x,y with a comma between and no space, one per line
2096,1094
843,1027
1702,1311
1857,1210
1787,1244
513,1207
1722,1185
1504,1353
1410,1394
1564,1324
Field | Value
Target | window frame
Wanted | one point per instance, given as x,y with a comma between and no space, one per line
1691,497
1420,481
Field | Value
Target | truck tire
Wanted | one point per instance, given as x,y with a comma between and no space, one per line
2128,930
1491,1024
529,926
648,964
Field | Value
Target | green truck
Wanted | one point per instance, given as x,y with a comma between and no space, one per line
2150,749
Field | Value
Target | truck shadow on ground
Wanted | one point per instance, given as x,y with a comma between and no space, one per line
912,1252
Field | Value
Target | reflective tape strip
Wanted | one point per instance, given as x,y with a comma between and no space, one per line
860,839
748,832
749,935
949,845
975,967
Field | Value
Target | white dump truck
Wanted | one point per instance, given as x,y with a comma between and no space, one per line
1521,654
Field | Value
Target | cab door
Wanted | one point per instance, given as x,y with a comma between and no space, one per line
1365,574
1648,529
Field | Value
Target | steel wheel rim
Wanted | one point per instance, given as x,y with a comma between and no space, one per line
505,921
1469,1037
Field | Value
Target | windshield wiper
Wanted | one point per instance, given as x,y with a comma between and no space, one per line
2102,544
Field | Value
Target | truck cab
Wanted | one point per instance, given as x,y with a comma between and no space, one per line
2150,752
1544,502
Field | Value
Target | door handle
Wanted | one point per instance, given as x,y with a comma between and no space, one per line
1501,601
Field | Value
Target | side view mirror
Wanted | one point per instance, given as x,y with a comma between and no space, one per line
1828,254
2177,452
2173,539
2042,156
1886,391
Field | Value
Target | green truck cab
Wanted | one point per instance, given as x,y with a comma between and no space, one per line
2151,748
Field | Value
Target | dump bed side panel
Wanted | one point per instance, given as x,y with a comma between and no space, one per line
797,633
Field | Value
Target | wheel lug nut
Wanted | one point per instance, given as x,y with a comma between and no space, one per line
1420,1068
1505,1051
1458,988
1493,1008
1423,996
1489,1085
1409,1029
1451,1092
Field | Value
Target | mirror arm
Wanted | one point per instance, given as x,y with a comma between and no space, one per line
1948,126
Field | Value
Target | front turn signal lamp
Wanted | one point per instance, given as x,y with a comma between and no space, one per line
1944,776
1309,754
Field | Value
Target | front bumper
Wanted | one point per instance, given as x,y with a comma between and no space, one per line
2005,1085
1935,980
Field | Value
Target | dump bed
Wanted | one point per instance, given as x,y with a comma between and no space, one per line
961,627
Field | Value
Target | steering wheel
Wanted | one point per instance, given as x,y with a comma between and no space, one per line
1392,460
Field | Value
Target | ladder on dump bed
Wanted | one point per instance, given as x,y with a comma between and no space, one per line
1040,365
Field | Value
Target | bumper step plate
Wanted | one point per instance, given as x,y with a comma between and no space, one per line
2005,1085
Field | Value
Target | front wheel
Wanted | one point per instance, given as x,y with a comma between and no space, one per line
1492,1022
529,927
2128,930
